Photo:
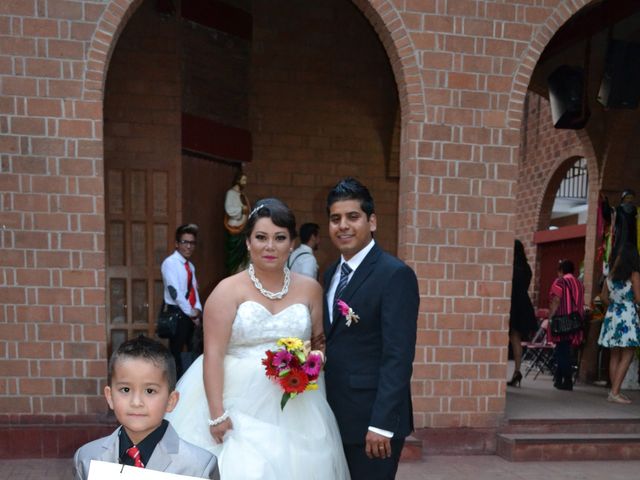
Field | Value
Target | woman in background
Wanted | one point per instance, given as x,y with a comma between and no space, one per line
566,296
621,326
522,318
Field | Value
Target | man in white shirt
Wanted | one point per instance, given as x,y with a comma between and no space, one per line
302,259
181,290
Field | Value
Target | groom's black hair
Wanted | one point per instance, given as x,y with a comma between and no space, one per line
148,349
350,188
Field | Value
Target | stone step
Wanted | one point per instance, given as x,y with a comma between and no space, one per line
412,450
522,447
577,425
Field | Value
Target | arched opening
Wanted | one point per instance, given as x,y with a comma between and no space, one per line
296,100
571,115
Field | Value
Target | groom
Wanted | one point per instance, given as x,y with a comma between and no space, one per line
369,358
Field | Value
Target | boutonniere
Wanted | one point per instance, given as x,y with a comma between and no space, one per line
348,313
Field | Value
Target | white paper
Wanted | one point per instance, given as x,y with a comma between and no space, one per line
114,471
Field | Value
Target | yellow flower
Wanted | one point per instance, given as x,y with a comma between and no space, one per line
312,386
291,343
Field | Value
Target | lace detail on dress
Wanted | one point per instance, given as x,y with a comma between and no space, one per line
255,329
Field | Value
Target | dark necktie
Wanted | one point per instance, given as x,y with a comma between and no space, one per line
191,293
345,270
134,453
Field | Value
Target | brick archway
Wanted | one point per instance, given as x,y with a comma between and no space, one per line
401,51
111,24
563,12
388,25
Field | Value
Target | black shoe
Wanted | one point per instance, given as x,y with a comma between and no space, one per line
565,383
568,383
515,380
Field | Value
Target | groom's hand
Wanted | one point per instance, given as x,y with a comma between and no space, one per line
377,446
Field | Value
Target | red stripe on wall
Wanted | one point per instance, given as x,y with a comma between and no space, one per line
219,16
203,135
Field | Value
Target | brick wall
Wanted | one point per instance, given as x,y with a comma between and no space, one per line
52,350
461,83
323,103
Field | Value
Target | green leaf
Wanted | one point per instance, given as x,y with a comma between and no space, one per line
284,373
285,399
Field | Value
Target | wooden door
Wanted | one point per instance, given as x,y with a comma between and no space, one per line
140,213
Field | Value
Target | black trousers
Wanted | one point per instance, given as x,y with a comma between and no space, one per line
563,360
362,467
184,332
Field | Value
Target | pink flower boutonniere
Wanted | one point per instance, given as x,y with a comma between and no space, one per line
348,313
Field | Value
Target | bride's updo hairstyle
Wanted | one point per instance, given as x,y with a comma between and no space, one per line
279,213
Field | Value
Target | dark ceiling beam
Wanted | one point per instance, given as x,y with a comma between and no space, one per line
588,23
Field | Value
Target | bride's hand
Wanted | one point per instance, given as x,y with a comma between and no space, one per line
218,432
320,353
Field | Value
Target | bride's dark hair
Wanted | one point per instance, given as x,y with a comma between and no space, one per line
275,209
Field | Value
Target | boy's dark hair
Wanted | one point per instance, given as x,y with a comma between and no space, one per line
307,230
147,349
351,189
566,266
275,209
625,263
191,228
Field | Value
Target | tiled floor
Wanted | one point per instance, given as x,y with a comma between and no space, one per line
535,399
485,467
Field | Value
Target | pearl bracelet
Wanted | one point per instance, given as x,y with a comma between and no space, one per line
218,420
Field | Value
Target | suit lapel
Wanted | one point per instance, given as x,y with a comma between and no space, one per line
110,448
327,301
166,448
359,276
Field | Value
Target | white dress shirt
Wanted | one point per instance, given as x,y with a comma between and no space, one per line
174,274
303,261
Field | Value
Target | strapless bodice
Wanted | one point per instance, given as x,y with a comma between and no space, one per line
255,329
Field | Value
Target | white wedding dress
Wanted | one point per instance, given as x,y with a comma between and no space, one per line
266,443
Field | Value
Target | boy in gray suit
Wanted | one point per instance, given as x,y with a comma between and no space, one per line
140,390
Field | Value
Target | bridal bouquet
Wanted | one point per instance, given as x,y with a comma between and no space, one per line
293,366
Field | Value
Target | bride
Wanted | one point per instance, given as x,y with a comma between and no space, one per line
227,404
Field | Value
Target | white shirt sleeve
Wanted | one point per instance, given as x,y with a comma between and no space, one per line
384,433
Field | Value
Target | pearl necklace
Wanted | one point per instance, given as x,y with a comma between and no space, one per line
267,293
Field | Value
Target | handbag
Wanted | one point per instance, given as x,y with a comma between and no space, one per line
566,324
167,323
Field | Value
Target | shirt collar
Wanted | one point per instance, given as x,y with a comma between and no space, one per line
355,261
305,248
146,446
179,256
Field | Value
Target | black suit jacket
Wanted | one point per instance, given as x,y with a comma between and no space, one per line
369,364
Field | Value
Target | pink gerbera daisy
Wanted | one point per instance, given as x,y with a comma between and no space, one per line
282,359
312,365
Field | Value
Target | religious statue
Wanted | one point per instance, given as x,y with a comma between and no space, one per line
236,208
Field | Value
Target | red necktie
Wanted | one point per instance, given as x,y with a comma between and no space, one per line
191,291
134,453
